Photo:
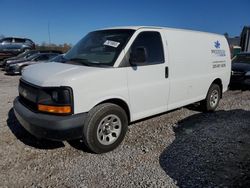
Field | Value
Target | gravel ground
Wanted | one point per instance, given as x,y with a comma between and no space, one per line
183,148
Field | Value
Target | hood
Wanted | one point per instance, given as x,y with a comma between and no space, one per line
11,58
28,62
241,67
56,74
16,61
25,63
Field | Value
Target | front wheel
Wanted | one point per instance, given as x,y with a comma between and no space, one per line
212,99
105,127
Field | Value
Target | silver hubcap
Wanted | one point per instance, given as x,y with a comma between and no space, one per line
214,98
109,129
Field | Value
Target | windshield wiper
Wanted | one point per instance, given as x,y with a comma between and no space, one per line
86,62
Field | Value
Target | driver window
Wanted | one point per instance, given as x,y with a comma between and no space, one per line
152,43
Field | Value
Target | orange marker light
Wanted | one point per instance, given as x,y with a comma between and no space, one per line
54,109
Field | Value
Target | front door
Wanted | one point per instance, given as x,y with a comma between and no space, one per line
148,84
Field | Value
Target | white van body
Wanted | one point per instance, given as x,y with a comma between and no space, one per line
192,69
193,63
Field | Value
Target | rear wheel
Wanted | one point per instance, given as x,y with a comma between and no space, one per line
105,127
212,99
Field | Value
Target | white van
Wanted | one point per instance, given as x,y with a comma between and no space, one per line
115,76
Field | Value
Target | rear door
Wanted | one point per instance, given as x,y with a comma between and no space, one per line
148,82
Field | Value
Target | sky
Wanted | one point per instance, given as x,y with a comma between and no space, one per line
69,20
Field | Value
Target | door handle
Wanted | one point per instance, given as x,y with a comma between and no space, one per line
166,72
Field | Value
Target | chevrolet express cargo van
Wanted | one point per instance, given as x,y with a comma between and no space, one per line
115,76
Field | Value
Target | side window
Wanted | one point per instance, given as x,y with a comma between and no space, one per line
6,40
152,43
17,40
28,41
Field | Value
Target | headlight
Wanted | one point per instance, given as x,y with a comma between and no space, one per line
56,100
14,65
247,73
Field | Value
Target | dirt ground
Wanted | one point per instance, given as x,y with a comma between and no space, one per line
182,148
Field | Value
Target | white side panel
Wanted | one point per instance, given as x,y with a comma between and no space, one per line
192,65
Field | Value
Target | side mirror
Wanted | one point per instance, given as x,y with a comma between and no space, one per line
138,55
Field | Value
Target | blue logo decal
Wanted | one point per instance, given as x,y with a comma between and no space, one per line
217,44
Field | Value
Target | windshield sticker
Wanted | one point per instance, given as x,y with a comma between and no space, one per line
111,43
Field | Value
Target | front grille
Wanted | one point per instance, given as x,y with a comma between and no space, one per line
29,104
28,95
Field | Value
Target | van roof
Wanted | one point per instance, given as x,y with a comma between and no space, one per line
156,27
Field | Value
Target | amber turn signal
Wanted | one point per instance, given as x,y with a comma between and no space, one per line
54,109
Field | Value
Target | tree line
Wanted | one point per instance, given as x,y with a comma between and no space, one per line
62,47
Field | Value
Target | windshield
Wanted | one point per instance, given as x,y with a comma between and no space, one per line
31,57
242,58
100,47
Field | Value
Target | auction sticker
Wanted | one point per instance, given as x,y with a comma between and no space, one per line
111,43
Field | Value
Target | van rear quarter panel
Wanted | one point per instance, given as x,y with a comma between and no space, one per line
191,65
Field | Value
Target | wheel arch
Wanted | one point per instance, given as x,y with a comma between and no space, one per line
120,103
219,83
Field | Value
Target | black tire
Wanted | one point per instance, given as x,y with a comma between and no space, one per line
212,99
96,118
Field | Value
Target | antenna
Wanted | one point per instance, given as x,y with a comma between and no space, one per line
49,32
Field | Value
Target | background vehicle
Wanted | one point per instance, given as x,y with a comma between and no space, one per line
25,55
12,46
58,58
17,66
119,75
240,71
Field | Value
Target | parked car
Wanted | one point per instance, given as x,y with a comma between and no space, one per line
241,70
56,59
25,55
17,66
12,46
119,75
